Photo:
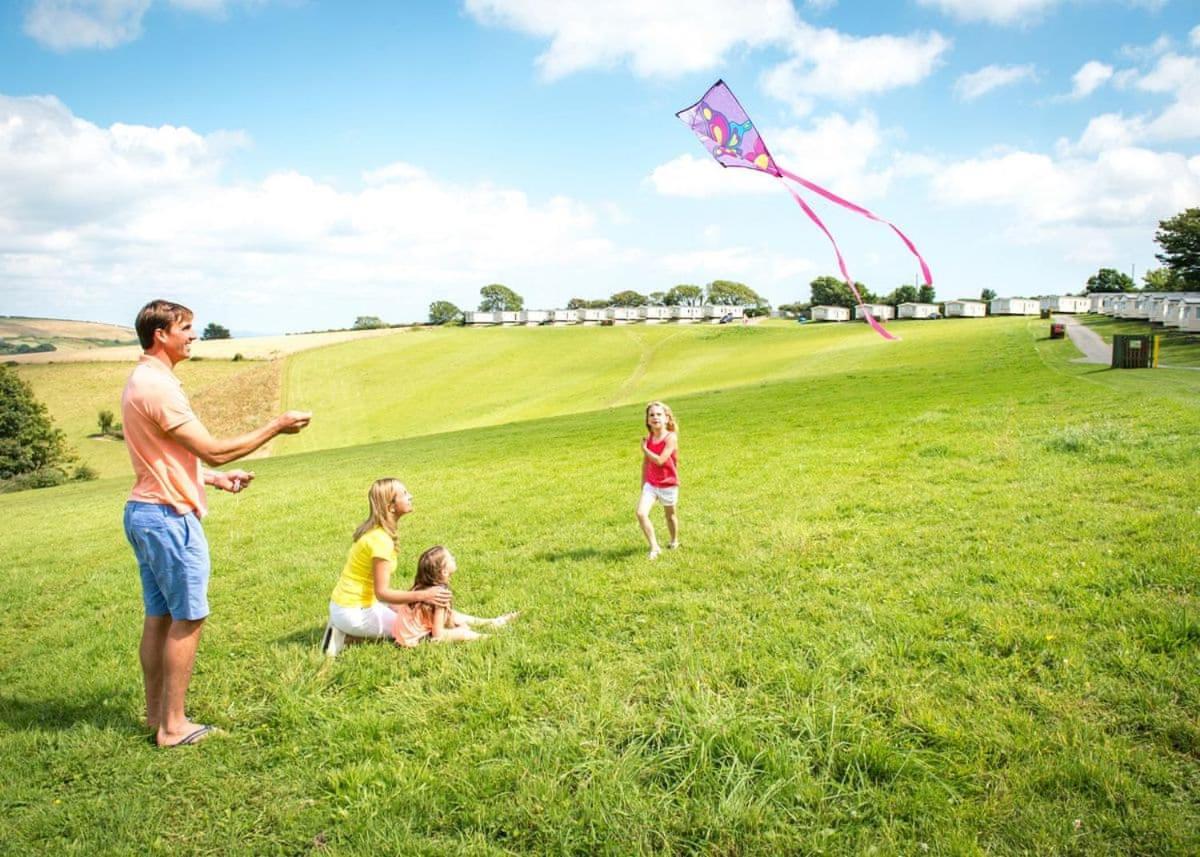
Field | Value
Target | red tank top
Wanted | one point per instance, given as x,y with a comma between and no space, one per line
660,475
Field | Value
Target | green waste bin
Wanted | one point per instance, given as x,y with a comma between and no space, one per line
1131,351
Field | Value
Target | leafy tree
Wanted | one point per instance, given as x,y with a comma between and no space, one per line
33,453
830,291
497,297
684,295
1110,280
730,293
987,295
443,312
902,295
1163,280
215,331
105,419
577,303
627,298
369,322
1179,236
657,299
599,303
926,295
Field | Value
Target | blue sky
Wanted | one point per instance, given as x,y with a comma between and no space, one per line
290,165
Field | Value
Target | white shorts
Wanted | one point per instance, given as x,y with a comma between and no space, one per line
375,621
667,496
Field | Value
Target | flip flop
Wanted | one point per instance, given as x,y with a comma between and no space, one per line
194,737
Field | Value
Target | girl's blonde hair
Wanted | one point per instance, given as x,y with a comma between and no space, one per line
671,424
380,498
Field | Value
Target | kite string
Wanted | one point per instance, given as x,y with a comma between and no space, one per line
875,325
845,203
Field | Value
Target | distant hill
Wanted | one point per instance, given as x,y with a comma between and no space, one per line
20,334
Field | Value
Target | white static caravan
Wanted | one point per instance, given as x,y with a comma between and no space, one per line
657,314
563,316
478,319
620,314
1101,302
716,313
1066,303
882,312
1171,311
687,314
1123,306
1190,320
911,309
965,309
590,316
532,317
822,312
1014,306
507,318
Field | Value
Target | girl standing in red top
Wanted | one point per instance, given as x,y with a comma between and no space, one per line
660,473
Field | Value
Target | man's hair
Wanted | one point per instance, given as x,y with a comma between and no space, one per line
158,315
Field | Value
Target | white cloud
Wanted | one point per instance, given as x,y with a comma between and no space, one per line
65,25
1194,36
1173,75
834,151
675,37
1119,187
978,83
829,64
667,38
128,207
1004,12
1090,77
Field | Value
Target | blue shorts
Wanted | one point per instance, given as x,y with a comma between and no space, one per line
172,554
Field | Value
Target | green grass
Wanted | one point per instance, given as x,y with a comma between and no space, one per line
939,595
1176,347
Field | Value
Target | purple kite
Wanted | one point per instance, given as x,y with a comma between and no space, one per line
730,137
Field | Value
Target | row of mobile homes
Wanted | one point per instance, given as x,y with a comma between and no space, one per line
606,315
1101,302
1066,303
1190,320
911,309
881,312
965,309
1014,306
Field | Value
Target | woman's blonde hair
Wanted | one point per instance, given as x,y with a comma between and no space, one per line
380,498
671,424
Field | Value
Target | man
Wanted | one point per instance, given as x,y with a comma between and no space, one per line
169,447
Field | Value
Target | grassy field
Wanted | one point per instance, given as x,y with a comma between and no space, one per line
66,336
1176,348
937,596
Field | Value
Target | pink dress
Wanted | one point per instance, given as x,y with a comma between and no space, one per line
414,623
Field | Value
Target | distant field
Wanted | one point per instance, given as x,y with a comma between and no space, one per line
230,397
936,596
50,328
1176,348
251,348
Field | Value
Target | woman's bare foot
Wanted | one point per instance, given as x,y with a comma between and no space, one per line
501,621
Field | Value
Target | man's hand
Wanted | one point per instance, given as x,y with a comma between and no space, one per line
438,596
292,421
232,481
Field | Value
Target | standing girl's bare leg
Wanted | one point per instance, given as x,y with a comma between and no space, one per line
672,524
643,515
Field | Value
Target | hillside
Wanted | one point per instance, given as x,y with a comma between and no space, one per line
66,336
937,595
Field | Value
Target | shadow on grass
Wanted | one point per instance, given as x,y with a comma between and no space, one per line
581,554
61,715
310,636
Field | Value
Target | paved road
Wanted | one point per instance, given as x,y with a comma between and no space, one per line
1094,348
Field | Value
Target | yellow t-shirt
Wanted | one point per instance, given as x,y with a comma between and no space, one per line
356,586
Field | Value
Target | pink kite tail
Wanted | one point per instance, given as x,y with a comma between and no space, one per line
845,203
875,325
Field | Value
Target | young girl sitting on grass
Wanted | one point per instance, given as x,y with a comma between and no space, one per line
360,605
417,621
660,473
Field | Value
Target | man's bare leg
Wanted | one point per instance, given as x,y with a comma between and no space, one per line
179,656
154,640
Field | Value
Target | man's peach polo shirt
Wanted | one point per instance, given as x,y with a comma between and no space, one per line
152,405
